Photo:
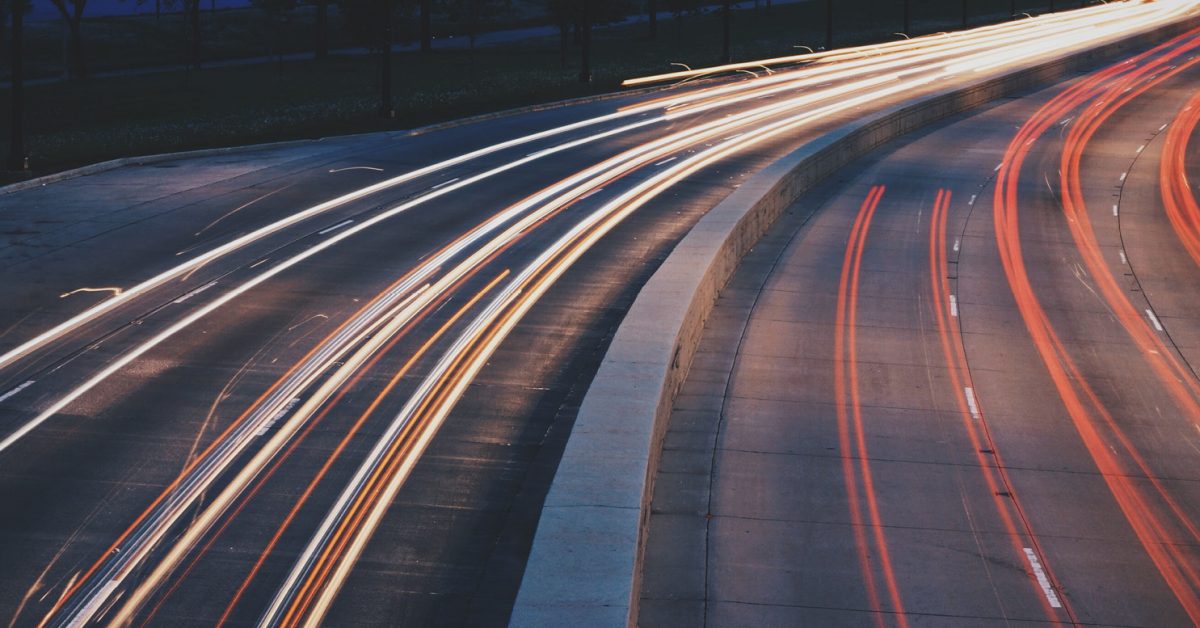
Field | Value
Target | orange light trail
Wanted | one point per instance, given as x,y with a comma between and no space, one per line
1082,404
849,417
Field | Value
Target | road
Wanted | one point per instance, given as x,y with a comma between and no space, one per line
957,387
330,386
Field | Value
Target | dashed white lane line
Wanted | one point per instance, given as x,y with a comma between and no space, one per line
1124,260
972,201
972,405
13,393
1042,580
444,183
953,306
1163,127
956,244
666,161
1123,175
1141,148
335,227
1116,210
1154,319
194,292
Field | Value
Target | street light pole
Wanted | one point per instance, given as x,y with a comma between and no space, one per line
386,108
829,24
726,19
16,149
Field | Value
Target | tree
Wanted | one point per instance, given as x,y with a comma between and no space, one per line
72,13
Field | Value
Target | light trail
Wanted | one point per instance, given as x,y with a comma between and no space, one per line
1098,430
845,373
401,446
1178,199
988,457
1089,19
317,576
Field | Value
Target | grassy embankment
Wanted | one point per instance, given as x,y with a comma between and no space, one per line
79,122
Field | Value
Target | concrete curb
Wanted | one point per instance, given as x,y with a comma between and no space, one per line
113,164
585,564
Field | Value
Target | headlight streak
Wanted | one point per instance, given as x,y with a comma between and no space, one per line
156,527
473,343
446,384
192,265
144,287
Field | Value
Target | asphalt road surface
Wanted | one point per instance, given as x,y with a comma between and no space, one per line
329,384
957,386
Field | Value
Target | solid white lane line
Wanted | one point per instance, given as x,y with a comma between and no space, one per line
1042,580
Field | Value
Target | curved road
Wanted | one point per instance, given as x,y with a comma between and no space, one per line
221,379
960,384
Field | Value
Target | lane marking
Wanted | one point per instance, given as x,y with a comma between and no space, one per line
1043,581
13,393
260,262
284,411
998,167
1163,127
1154,319
356,168
666,161
956,244
444,183
971,404
116,291
953,306
1116,210
593,192
335,227
1124,260
1141,148
972,201
1123,175
194,292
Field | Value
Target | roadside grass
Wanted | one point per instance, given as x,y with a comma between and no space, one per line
79,122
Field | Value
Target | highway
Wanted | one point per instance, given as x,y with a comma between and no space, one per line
969,370
331,389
